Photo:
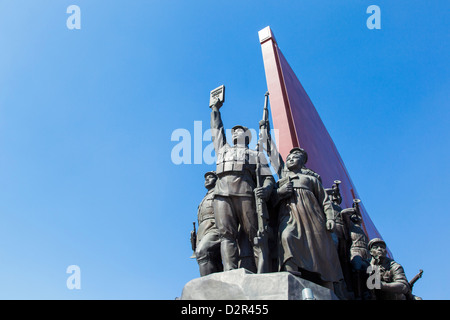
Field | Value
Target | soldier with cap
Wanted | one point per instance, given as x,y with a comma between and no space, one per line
392,283
356,258
234,195
207,250
340,234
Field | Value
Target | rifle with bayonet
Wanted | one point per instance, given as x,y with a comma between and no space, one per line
261,241
416,277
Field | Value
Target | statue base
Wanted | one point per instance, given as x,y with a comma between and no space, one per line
241,284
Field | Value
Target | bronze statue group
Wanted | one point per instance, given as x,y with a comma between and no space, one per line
247,220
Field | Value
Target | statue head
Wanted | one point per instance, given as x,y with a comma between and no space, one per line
210,180
241,135
377,248
296,158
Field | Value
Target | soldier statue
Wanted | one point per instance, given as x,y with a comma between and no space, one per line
340,233
234,195
207,242
357,254
390,282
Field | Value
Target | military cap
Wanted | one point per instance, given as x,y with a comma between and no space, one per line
211,172
246,131
375,240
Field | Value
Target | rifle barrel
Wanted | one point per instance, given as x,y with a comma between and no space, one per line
416,277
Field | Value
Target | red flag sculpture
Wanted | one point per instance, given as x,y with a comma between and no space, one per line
299,125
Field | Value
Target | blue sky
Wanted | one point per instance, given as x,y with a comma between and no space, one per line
87,116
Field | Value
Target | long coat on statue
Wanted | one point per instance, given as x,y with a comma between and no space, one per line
302,228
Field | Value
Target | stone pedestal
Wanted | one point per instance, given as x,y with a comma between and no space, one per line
241,284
